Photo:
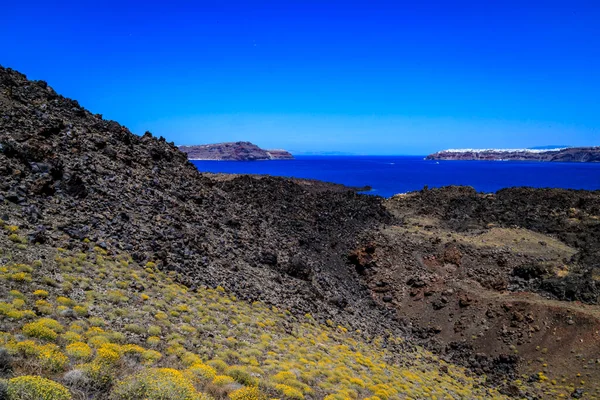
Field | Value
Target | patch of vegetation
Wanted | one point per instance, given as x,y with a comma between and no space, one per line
36,388
182,344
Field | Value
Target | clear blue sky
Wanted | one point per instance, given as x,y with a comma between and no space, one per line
372,77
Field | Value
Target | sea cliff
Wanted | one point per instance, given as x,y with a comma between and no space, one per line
233,151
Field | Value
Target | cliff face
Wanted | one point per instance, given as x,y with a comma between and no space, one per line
573,154
280,154
233,151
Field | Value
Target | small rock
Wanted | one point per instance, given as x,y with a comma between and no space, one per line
465,301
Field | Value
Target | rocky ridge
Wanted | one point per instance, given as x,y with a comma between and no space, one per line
570,154
233,151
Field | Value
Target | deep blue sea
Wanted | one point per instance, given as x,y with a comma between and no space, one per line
388,175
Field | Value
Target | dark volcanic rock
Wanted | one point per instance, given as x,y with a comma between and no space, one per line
569,215
69,175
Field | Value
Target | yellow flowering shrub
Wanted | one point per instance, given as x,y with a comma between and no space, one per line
25,348
76,327
202,372
11,228
10,310
222,380
44,307
284,376
289,392
219,365
21,277
247,393
188,358
151,356
18,303
43,328
40,293
132,349
65,301
108,353
100,374
161,316
71,337
81,311
94,331
36,388
155,384
79,350
51,358
98,340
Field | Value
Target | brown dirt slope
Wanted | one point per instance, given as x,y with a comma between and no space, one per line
495,281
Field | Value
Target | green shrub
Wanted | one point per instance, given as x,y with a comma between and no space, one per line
36,388
135,328
155,384
219,365
222,380
16,294
44,307
202,372
17,239
153,341
151,356
98,375
241,375
21,277
96,321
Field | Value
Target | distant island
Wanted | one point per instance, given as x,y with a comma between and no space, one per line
569,154
233,151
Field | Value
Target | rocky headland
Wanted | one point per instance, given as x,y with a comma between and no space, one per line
121,265
570,154
233,151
